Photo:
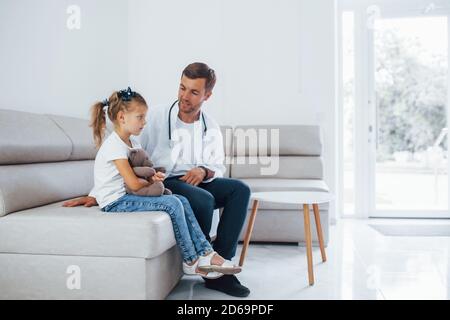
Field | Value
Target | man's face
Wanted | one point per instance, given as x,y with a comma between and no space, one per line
192,94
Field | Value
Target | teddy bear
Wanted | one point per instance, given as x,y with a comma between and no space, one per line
143,168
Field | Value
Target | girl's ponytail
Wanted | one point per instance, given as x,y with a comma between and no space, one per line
98,122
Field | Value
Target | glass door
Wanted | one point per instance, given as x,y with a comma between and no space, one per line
408,128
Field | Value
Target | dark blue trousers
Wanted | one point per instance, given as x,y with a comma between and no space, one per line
230,194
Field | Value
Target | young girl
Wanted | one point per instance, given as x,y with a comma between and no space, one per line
127,111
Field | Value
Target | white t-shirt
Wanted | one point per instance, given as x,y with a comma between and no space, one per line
108,183
190,151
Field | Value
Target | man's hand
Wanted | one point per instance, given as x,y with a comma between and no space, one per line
194,176
159,176
86,201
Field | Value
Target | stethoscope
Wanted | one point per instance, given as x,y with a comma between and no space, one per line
170,127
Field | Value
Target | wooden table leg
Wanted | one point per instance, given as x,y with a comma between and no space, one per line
319,231
308,241
249,231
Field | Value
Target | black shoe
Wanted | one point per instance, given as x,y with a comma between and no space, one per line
228,284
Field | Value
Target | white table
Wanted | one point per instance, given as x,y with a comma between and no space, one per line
304,198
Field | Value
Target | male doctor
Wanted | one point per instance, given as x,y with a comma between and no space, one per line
182,138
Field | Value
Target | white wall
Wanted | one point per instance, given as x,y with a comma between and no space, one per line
47,68
275,60
165,36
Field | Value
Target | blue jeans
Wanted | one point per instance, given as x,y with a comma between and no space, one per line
189,236
230,194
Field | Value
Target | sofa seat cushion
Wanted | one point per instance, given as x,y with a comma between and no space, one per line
268,184
53,229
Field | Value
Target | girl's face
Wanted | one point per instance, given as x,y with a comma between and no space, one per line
133,121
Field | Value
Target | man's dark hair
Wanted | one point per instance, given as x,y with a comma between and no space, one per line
200,70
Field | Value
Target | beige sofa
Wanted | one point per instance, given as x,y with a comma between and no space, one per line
300,168
51,252
44,247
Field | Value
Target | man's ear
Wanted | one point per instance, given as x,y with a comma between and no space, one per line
207,95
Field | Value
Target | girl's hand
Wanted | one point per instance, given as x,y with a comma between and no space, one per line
83,201
159,176
131,180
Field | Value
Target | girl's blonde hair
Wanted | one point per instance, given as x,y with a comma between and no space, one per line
118,101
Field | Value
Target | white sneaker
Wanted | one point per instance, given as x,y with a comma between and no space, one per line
192,270
204,264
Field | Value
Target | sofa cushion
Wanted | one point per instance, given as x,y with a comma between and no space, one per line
28,138
294,167
80,136
227,136
53,229
267,185
290,140
29,185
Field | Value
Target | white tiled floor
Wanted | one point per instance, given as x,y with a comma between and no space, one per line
362,264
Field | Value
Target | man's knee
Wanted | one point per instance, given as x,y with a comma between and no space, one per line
204,200
199,199
242,188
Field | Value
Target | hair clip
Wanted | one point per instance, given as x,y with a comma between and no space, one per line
105,103
127,94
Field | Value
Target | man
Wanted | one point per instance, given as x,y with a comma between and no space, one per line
184,140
